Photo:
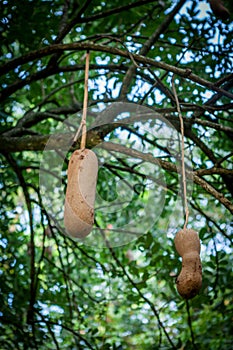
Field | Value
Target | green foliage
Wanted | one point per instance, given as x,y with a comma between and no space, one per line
57,293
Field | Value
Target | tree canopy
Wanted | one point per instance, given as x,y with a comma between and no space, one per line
153,64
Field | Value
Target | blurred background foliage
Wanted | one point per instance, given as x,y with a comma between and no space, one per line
56,293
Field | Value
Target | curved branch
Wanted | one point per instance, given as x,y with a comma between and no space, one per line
171,167
208,218
51,70
147,45
83,46
211,190
114,11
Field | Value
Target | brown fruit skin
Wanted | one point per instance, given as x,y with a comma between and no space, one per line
187,240
80,193
219,10
189,281
188,246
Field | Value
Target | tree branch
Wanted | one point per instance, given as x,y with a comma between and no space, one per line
23,184
135,285
81,46
65,141
52,70
114,11
211,190
213,170
38,143
66,28
170,167
147,46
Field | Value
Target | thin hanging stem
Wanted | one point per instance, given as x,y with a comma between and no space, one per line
182,152
83,125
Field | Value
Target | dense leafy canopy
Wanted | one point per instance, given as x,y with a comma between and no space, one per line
116,290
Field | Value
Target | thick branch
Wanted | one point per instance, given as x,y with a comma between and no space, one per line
214,170
65,141
38,143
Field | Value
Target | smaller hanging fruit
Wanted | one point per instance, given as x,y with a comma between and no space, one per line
188,246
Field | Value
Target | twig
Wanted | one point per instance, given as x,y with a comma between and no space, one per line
69,329
44,320
135,285
32,297
190,325
182,152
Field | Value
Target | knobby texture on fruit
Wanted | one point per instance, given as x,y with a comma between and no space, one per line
188,246
80,193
